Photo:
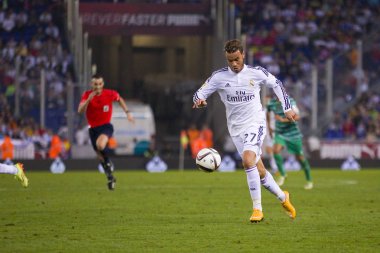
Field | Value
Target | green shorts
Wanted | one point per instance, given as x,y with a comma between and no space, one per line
293,146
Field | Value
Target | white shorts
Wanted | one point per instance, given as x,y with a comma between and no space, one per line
251,139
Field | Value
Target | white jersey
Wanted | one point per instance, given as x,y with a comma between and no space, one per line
240,93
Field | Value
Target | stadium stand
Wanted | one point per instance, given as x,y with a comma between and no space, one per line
34,43
143,1
288,37
361,122
31,40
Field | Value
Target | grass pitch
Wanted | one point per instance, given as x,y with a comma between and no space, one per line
188,211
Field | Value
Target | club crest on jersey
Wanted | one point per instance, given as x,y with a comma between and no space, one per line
227,85
251,82
106,108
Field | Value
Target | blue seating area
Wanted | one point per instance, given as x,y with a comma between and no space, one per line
32,39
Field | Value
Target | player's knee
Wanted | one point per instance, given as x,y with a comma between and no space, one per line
277,150
100,146
249,159
300,158
248,164
101,142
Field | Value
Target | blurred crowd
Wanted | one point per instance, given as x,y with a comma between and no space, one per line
361,122
145,1
31,41
47,144
289,37
194,139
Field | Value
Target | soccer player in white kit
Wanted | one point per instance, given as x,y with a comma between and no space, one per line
239,87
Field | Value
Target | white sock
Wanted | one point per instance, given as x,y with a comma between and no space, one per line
253,179
271,185
8,169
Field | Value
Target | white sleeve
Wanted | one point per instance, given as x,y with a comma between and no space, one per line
282,96
271,81
206,90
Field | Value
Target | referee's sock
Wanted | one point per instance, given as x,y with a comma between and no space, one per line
107,171
106,164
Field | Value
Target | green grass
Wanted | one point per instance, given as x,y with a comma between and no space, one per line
187,211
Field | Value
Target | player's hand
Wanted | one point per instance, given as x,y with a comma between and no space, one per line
130,118
278,118
290,115
200,103
92,94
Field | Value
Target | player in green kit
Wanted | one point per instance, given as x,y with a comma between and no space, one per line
287,134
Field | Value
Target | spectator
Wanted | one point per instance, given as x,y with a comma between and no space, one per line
196,145
348,128
207,134
7,149
55,147
193,133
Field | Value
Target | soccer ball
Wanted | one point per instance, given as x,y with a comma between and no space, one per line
208,160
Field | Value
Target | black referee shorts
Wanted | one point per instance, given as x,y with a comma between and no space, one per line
95,132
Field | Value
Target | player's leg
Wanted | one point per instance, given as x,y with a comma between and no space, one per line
7,169
268,182
253,178
304,163
99,138
252,140
20,175
272,162
268,142
306,168
101,144
295,147
278,146
17,170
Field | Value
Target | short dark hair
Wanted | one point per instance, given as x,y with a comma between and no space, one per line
97,76
232,46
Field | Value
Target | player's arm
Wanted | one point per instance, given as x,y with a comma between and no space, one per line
84,103
268,123
272,82
284,119
295,110
125,109
282,96
280,92
199,98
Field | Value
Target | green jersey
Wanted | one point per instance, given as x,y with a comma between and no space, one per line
287,130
